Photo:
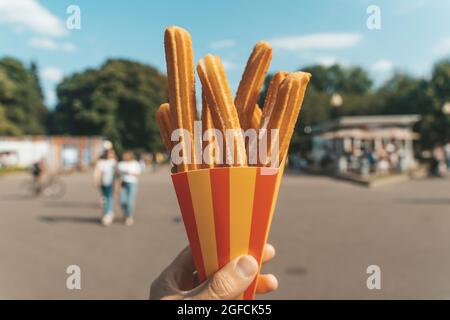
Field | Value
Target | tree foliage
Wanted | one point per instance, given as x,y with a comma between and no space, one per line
400,94
118,101
22,110
435,124
337,78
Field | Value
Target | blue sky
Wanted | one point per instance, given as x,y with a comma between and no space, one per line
414,33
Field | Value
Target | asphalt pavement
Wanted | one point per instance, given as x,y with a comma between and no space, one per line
326,233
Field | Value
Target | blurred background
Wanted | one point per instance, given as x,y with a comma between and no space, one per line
367,180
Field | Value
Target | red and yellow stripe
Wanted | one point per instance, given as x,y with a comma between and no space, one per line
227,212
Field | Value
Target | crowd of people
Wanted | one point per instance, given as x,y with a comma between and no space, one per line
387,158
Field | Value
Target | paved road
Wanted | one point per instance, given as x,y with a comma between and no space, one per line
326,233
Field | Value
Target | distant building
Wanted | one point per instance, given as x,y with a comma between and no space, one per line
366,144
60,152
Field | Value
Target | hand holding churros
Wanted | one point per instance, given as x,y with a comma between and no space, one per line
226,122
226,197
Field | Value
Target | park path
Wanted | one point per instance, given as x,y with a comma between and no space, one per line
326,233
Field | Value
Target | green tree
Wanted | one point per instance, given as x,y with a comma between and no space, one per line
440,80
403,94
339,79
434,127
118,101
400,94
349,82
20,99
34,69
6,127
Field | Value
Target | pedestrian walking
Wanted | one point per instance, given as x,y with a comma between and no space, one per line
129,171
104,176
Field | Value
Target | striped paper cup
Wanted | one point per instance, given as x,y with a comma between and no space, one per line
227,212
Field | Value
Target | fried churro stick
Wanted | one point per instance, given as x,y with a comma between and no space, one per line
271,97
180,75
218,95
286,110
256,118
252,81
207,124
252,143
165,125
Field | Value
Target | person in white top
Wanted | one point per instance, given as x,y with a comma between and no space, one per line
104,176
129,170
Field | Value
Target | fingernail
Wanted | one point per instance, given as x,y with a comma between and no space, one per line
247,266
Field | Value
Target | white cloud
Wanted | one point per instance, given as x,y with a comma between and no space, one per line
382,66
316,41
50,44
52,74
442,47
29,14
222,44
43,43
328,61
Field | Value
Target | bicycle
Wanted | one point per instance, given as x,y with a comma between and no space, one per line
51,187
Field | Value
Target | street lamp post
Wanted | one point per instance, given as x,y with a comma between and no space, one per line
336,102
446,108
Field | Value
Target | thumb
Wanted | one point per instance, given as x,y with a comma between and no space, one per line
229,282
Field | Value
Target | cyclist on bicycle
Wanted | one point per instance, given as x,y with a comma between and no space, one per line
38,171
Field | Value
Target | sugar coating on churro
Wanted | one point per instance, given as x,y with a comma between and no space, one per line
256,118
286,110
208,136
180,75
271,97
252,81
229,118
218,95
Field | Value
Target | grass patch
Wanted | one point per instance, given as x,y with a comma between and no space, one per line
6,170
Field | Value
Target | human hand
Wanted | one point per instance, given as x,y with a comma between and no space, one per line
179,281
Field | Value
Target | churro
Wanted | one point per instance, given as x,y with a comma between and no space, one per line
271,97
208,136
285,111
180,75
218,95
165,125
256,118
231,117
252,81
